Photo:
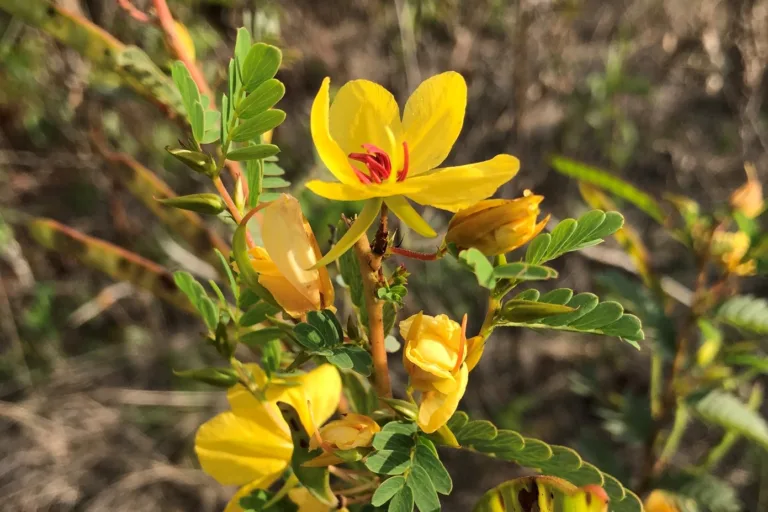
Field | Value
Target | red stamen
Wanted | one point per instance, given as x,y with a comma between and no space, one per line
362,177
403,173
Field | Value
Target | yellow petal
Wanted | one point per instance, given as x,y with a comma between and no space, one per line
328,149
341,191
454,188
364,112
432,120
353,234
290,248
236,450
316,397
306,502
405,212
234,503
436,408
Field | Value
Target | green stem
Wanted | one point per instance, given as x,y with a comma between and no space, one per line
657,385
682,416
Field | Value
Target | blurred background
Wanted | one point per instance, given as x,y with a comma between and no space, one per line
668,94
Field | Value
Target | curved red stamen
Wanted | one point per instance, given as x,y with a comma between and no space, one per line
403,173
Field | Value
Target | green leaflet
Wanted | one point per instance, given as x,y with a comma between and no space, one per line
745,312
542,494
726,410
418,473
571,235
610,183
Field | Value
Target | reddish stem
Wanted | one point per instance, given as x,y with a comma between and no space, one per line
423,256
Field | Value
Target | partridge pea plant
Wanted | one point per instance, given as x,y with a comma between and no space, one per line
314,423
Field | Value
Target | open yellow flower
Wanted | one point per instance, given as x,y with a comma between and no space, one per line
289,249
731,248
434,357
497,226
250,445
377,156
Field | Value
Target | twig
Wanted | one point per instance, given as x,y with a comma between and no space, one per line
370,267
103,301
133,11
167,23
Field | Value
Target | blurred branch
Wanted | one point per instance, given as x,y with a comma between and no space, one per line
97,45
179,49
118,263
147,187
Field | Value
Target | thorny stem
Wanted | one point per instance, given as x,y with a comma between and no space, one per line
370,269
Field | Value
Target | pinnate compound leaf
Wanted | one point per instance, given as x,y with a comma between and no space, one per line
571,235
609,183
580,313
557,461
726,410
745,312
387,490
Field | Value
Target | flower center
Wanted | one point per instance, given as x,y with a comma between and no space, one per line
378,163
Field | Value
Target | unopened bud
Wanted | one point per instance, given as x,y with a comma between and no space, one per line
196,160
748,199
207,203
496,226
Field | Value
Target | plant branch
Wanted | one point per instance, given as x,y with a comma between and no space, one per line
168,25
370,269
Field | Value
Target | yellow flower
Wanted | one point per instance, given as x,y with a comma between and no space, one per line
434,357
377,156
748,198
289,249
731,249
497,226
308,503
250,445
352,431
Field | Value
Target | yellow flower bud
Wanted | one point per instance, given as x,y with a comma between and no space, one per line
289,249
731,248
748,199
497,226
308,503
660,501
352,431
434,357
